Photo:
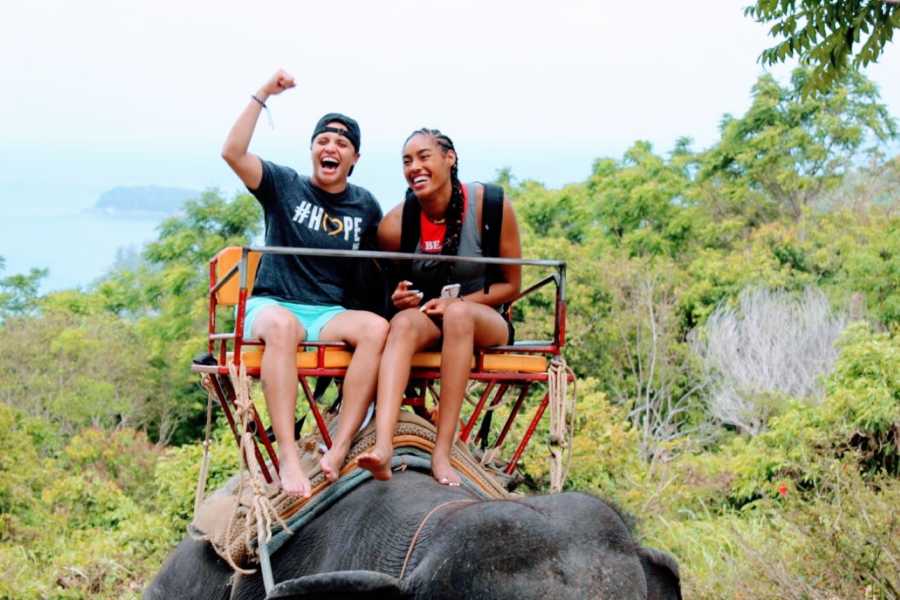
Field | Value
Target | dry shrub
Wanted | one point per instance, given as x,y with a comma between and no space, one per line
771,347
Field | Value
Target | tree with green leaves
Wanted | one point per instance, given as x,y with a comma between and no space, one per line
19,293
639,201
828,35
789,148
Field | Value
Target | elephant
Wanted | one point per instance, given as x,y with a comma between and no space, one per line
413,538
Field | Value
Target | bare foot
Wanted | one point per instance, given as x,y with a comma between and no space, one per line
331,463
293,481
442,472
378,462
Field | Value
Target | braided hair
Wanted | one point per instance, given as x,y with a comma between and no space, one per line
454,214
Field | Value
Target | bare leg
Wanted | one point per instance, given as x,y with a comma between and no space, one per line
366,332
281,332
466,324
410,331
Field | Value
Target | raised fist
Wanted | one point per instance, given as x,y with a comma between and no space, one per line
280,81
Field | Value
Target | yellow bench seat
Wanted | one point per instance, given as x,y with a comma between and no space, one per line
340,359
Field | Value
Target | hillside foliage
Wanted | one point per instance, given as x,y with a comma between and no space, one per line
734,324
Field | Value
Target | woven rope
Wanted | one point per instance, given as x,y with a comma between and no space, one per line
238,541
561,427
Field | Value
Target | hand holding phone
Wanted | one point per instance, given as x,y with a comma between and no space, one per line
448,291
451,290
406,297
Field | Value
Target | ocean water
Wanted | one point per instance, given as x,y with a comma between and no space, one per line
76,247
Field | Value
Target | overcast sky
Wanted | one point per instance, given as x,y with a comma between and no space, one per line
103,93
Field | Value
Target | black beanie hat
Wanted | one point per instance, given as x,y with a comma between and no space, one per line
352,126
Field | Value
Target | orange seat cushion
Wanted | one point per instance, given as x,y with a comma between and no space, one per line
519,363
340,359
306,359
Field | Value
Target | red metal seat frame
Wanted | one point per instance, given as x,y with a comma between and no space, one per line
223,345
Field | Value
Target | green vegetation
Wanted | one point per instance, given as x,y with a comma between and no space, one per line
827,35
19,293
782,490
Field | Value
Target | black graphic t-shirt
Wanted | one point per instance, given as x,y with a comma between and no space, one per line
298,214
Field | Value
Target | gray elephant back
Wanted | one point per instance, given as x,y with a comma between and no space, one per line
560,546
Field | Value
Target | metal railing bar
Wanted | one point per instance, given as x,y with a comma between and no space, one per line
402,256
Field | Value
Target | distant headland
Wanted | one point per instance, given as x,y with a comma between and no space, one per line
150,200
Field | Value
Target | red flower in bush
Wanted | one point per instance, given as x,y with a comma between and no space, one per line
782,489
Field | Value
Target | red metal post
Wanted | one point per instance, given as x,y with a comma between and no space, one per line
511,465
225,408
512,415
230,397
212,302
561,324
223,354
498,398
320,422
239,326
267,442
467,429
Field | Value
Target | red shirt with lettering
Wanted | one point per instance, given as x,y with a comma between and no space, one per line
431,234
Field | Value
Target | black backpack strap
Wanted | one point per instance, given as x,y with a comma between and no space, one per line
409,232
491,226
409,236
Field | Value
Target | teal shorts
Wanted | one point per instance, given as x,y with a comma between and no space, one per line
312,318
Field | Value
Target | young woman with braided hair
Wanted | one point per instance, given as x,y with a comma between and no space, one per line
450,224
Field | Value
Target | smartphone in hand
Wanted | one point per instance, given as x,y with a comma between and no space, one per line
450,290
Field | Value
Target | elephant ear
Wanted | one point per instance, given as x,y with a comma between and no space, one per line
340,585
661,573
